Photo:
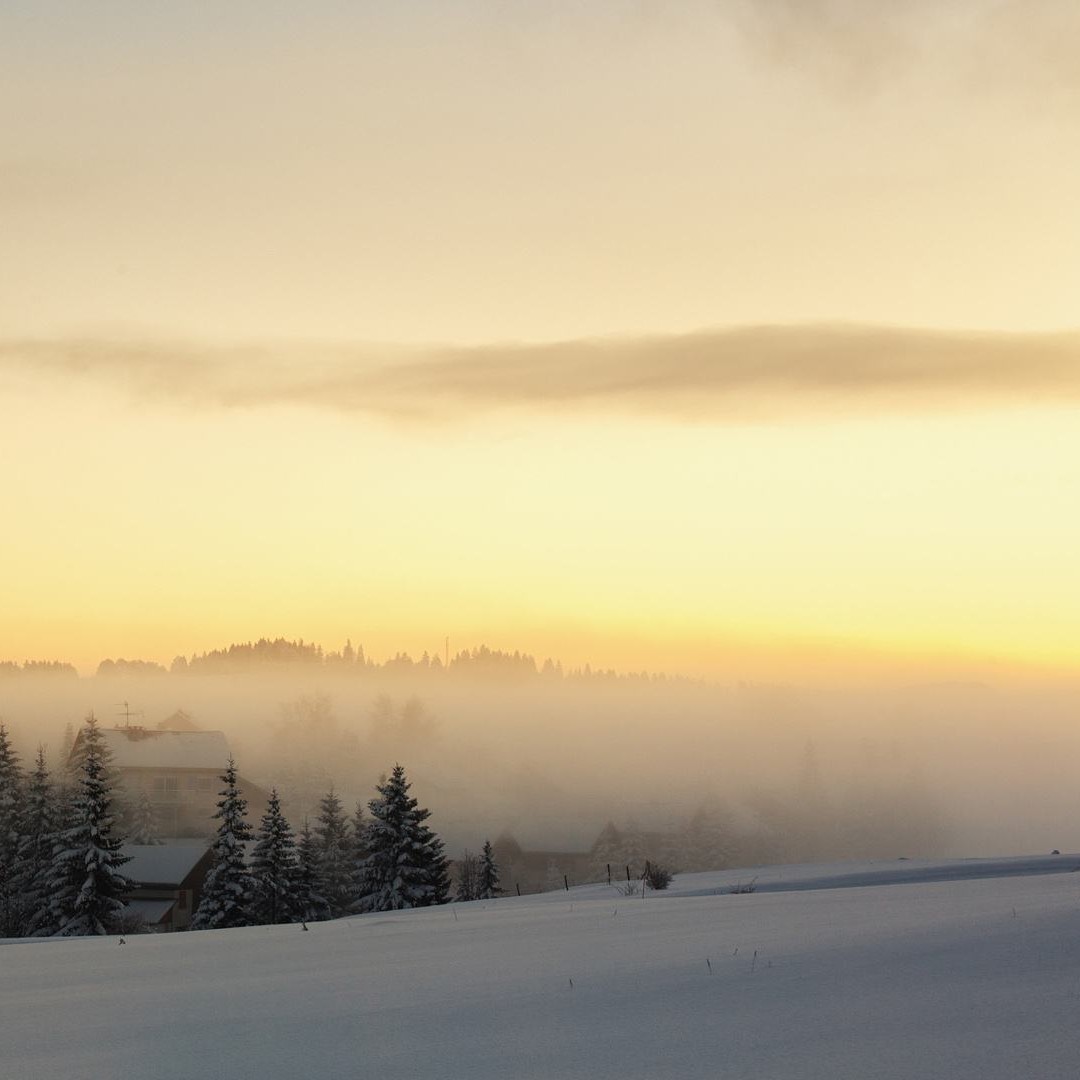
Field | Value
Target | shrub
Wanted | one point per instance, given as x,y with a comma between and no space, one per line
657,877
741,888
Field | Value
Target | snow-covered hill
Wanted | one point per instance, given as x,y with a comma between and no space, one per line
899,970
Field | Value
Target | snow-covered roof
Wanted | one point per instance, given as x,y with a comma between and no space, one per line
162,864
140,748
150,911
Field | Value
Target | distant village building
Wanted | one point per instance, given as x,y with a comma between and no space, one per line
180,772
168,883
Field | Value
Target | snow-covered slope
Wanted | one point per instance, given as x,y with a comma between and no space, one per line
973,977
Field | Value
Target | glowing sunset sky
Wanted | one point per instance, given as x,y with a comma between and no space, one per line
723,337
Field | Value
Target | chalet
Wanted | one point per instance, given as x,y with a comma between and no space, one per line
539,871
180,771
168,883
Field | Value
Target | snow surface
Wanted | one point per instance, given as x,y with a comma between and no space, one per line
959,976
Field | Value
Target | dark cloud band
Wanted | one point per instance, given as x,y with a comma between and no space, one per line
757,372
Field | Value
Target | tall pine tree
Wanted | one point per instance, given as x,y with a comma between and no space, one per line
274,867
40,821
87,886
405,866
227,894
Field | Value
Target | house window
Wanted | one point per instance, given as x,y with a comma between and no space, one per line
166,785
205,783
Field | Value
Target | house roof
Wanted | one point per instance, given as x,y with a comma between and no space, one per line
151,912
141,748
162,864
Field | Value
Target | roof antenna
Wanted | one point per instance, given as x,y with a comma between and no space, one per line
127,714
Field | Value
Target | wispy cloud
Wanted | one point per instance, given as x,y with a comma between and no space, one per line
854,47
724,375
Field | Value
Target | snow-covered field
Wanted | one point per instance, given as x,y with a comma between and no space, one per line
872,970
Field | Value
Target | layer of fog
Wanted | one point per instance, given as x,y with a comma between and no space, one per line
925,770
726,375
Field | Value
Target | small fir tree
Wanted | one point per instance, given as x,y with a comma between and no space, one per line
227,894
86,884
405,866
274,867
468,878
489,874
332,844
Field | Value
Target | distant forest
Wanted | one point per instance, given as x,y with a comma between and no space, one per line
281,653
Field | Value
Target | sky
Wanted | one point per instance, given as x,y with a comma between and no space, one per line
727,338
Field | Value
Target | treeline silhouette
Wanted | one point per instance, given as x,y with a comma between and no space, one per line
284,654
10,669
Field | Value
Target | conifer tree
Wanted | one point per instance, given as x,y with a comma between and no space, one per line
489,874
468,878
706,841
332,845
358,852
39,822
553,876
633,851
227,894
144,826
274,867
67,745
405,866
87,886
311,905
10,813
606,852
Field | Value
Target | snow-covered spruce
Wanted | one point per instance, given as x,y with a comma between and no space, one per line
405,866
144,825
311,904
274,867
40,821
10,813
332,845
358,853
227,894
87,887
488,884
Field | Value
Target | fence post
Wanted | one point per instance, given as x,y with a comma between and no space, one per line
566,883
